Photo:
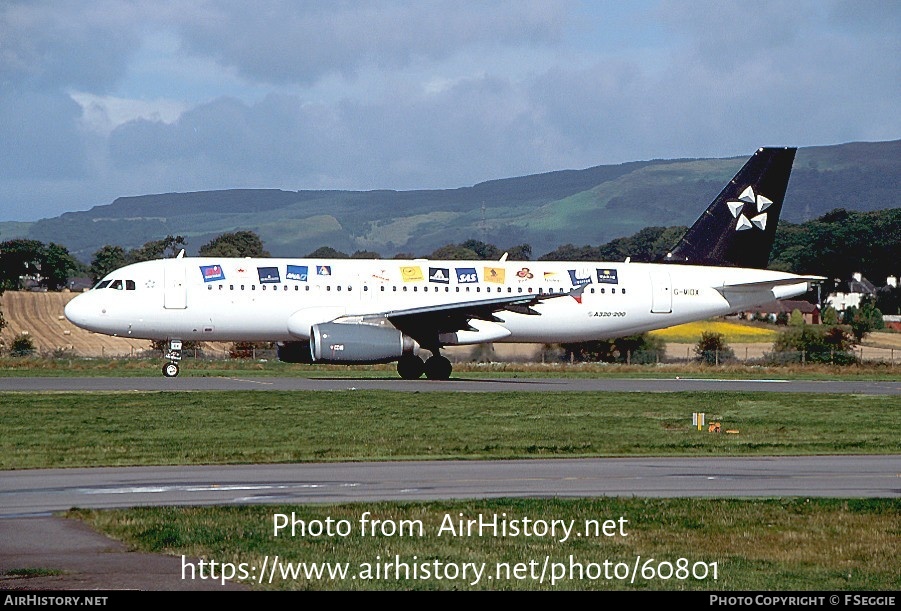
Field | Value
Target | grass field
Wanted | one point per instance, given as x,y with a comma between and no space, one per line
778,544
171,428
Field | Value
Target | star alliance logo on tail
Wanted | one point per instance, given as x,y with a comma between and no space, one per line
759,204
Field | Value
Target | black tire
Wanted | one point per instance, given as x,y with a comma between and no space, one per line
438,368
410,367
170,370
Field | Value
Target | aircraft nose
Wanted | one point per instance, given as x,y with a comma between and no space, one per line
77,310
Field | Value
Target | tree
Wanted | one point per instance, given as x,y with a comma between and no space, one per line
795,319
712,348
327,252
236,244
107,259
454,252
865,319
19,259
166,248
830,316
521,252
57,266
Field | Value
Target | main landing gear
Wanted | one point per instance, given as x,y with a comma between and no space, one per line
170,369
437,367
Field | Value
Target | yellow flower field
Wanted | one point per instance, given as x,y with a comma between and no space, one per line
735,333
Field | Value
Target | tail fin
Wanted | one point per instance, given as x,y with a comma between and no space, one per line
738,228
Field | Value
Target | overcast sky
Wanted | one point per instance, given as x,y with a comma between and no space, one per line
109,98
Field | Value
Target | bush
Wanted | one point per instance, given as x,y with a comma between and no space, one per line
633,349
246,350
815,344
712,348
22,346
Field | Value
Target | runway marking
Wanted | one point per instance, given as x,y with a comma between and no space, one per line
681,379
248,381
201,488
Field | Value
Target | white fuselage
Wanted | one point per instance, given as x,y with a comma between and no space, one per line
279,299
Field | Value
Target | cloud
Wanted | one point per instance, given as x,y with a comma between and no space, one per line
122,97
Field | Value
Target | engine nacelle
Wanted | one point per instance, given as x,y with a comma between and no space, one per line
358,343
294,352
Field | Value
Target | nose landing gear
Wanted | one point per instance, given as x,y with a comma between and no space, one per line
170,369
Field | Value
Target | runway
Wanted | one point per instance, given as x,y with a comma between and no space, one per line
393,383
41,491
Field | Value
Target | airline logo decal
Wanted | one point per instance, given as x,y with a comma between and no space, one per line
411,273
466,275
551,277
212,273
758,203
580,277
524,274
495,274
323,270
607,276
299,273
268,275
439,274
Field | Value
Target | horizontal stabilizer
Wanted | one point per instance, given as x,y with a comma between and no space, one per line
752,287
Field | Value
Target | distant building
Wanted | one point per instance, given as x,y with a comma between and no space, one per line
809,311
857,288
78,285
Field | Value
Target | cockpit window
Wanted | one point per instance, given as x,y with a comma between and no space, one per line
129,285
103,284
117,284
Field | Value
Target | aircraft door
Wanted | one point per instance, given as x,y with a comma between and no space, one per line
175,292
661,293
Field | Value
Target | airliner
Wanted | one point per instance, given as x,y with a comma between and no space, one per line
355,311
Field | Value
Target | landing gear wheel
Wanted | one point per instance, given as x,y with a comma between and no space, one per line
410,367
170,370
438,368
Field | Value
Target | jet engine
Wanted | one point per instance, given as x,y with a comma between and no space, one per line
358,343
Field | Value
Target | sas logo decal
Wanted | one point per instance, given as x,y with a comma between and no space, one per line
580,277
495,274
323,270
466,275
212,273
297,272
607,276
411,273
268,275
439,274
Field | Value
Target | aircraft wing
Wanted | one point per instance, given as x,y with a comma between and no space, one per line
426,323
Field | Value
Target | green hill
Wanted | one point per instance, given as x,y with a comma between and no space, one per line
590,206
